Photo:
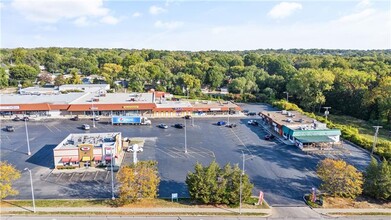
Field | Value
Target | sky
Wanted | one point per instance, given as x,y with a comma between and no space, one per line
196,25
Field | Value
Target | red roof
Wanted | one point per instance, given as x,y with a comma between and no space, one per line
98,158
112,107
74,159
26,107
65,159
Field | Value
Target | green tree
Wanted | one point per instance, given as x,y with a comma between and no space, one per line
340,178
59,80
8,174
75,77
213,185
23,72
237,85
3,78
138,181
308,86
215,76
378,180
110,72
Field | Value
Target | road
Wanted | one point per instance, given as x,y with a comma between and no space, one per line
284,173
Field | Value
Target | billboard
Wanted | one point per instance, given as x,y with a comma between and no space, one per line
126,119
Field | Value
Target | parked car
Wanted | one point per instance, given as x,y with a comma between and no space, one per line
9,128
252,122
164,126
187,117
231,125
85,127
179,125
16,118
246,112
76,118
96,118
221,123
25,118
252,114
269,137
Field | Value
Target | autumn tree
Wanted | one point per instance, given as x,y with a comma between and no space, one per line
340,178
136,181
45,78
110,71
75,77
8,174
59,80
213,185
378,180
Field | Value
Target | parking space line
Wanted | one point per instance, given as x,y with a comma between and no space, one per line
96,174
70,179
107,175
165,152
84,175
59,177
177,152
48,128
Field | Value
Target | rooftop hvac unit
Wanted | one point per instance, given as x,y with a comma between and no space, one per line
289,120
289,114
284,112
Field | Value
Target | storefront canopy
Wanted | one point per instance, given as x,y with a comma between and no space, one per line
314,139
85,159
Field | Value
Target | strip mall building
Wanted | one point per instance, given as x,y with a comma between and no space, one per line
151,104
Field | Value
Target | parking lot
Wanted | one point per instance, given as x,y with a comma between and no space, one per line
282,172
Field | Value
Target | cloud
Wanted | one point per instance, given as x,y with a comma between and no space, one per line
155,10
81,22
168,25
136,14
284,9
358,16
109,20
363,4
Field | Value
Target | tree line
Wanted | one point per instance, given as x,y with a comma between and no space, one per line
352,82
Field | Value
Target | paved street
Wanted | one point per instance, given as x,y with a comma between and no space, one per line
283,172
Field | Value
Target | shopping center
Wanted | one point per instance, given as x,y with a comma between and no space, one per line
87,101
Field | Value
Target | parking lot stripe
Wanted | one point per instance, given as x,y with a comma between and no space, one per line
70,179
107,175
84,175
165,152
59,177
96,174
49,128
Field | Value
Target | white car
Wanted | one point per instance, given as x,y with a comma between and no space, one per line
134,147
250,122
86,127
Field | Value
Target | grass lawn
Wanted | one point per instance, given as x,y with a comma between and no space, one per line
365,128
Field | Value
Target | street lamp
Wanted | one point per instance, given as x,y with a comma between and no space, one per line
112,175
185,137
375,138
192,117
241,188
32,188
326,112
27,137
287,95
93,113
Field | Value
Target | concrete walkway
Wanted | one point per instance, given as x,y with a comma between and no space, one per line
358,210
195,210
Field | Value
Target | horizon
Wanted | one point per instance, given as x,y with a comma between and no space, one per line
197,26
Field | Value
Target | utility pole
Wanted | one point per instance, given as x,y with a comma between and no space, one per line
287,95
32,188
375,138
185,137
112,174
241,188
326,112
27,137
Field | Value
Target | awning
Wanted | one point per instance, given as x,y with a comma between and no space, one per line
74,159
314,139
85,159
97,158
65,159
107,157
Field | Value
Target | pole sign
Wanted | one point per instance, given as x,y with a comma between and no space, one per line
313,194
174,196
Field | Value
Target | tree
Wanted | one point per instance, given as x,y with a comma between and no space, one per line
75,78
340,178
8,174
309,84
215,76
3,78
213,185
378,180
23,72
110,71
59,80
45,78
237,85
136,181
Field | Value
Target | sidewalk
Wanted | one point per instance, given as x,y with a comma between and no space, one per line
157,211
358,211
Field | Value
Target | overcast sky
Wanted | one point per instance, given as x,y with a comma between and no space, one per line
196,25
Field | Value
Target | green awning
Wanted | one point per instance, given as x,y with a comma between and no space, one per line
315,133
314,139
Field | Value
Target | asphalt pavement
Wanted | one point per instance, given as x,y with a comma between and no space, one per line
284,173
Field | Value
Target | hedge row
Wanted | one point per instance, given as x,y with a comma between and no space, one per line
350,133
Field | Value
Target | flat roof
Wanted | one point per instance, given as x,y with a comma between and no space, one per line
84,85
97,139
295,120
174,104
115,98
10,99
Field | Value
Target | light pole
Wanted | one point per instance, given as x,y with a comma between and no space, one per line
326,112
241,188
375,138
112,175
185,137
27,137
287,95
93,113
32,188
192,117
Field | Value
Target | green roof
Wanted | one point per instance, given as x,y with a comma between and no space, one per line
314,139
324,132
